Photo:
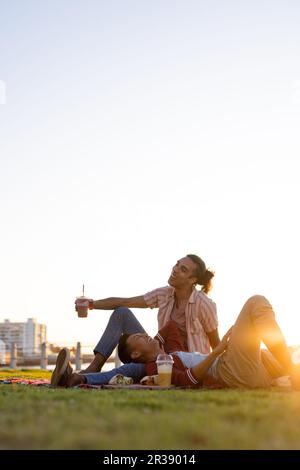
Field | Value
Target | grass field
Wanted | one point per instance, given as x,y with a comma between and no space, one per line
45,418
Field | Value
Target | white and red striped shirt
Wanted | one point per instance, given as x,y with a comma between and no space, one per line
200,313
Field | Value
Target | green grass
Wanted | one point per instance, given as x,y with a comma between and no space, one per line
43,418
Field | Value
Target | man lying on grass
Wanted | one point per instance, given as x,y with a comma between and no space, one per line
243,364
190,368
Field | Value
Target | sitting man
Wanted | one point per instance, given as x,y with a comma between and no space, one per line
243,364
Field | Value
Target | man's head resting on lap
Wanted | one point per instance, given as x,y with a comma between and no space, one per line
138,347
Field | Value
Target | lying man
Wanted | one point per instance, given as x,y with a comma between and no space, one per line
142,349
243,364
189,368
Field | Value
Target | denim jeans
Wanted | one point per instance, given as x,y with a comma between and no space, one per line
122,320
134,370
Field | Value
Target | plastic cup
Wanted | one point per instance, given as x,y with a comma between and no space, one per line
164,363
82,306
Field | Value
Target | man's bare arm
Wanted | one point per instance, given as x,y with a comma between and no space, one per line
114,302
199,371
213,337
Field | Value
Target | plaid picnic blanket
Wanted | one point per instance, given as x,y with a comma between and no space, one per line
22,381
46,383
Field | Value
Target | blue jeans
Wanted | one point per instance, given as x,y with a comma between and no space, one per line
122,320
134,370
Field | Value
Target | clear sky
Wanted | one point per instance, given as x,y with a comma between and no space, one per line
135,132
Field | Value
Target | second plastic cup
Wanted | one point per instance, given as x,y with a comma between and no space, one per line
164,363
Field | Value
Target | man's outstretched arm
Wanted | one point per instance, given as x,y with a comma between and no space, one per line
114,302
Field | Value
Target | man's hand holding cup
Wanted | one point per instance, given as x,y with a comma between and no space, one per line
83,305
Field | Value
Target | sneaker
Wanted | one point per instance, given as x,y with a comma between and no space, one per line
120,379
62,364
149,380
64,378
75,379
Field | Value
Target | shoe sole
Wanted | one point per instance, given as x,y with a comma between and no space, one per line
61,366
64,378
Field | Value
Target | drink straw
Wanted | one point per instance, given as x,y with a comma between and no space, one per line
83,290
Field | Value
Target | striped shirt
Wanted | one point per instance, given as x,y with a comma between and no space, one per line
200,313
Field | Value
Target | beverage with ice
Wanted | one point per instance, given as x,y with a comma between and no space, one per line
164,364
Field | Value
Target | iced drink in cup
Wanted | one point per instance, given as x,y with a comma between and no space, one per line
82,305
164,363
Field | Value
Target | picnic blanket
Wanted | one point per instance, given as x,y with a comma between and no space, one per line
46,383
22,381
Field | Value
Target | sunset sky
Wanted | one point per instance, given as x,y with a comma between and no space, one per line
135,132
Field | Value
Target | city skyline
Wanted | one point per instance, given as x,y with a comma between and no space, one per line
28,336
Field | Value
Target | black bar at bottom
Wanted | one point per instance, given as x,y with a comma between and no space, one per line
136,458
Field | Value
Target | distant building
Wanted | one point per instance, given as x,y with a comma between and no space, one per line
28,336
2,352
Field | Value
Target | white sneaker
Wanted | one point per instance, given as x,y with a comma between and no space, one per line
120,379
149,380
